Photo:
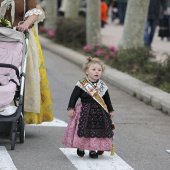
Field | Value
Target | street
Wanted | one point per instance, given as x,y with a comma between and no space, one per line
141,134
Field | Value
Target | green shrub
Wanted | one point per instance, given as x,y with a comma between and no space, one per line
162,75
132,60
136,62
165,86
71,32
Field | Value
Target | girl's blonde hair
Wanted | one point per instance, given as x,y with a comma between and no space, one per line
90,61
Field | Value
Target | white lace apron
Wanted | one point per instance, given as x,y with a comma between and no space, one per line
33,99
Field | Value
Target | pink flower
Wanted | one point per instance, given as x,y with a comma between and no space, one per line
96,45
113,48
51,33
43,29
99,52
107,57
86,48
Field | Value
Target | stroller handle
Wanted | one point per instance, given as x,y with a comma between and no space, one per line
26,32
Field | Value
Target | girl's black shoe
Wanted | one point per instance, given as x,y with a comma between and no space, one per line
100,152
93,154
80,152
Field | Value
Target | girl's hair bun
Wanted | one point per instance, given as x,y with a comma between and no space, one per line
89,59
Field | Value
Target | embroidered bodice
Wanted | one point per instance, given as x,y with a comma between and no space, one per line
78,92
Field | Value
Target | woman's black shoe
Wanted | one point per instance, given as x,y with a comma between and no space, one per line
80,153
93,154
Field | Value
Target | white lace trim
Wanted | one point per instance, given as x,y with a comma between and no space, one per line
32,82
5,5
101,87
35,11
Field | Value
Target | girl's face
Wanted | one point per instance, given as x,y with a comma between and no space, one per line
94,72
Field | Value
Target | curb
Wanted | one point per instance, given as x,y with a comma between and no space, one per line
142,91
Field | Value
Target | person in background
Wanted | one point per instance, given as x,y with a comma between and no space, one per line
168,13
152,20
37,103
122,5
104,13
59,3
90,126
114,10
108,2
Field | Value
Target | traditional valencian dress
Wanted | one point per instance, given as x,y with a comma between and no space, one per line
91,127
38,103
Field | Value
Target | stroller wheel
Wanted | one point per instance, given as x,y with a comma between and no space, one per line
22,131
13,139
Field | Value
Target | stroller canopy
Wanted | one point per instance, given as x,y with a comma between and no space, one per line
11,52
8,34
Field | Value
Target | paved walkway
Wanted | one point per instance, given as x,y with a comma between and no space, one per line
112,33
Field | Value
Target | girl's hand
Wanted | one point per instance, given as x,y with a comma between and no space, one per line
71,113
111,114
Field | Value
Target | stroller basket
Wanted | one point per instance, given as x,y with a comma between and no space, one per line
13,59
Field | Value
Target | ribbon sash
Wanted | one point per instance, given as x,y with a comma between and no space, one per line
90,89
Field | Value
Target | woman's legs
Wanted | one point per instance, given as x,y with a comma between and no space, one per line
169,27
146,33
122,11
153,24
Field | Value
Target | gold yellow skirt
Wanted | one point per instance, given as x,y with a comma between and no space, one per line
46,111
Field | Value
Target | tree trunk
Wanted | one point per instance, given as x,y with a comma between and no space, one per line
93,22
135,21
51,14
71,9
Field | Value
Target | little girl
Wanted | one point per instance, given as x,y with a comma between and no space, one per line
90,126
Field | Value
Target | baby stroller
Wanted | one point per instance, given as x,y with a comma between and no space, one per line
13,59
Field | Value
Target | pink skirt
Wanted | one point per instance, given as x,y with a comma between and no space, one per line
71,139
